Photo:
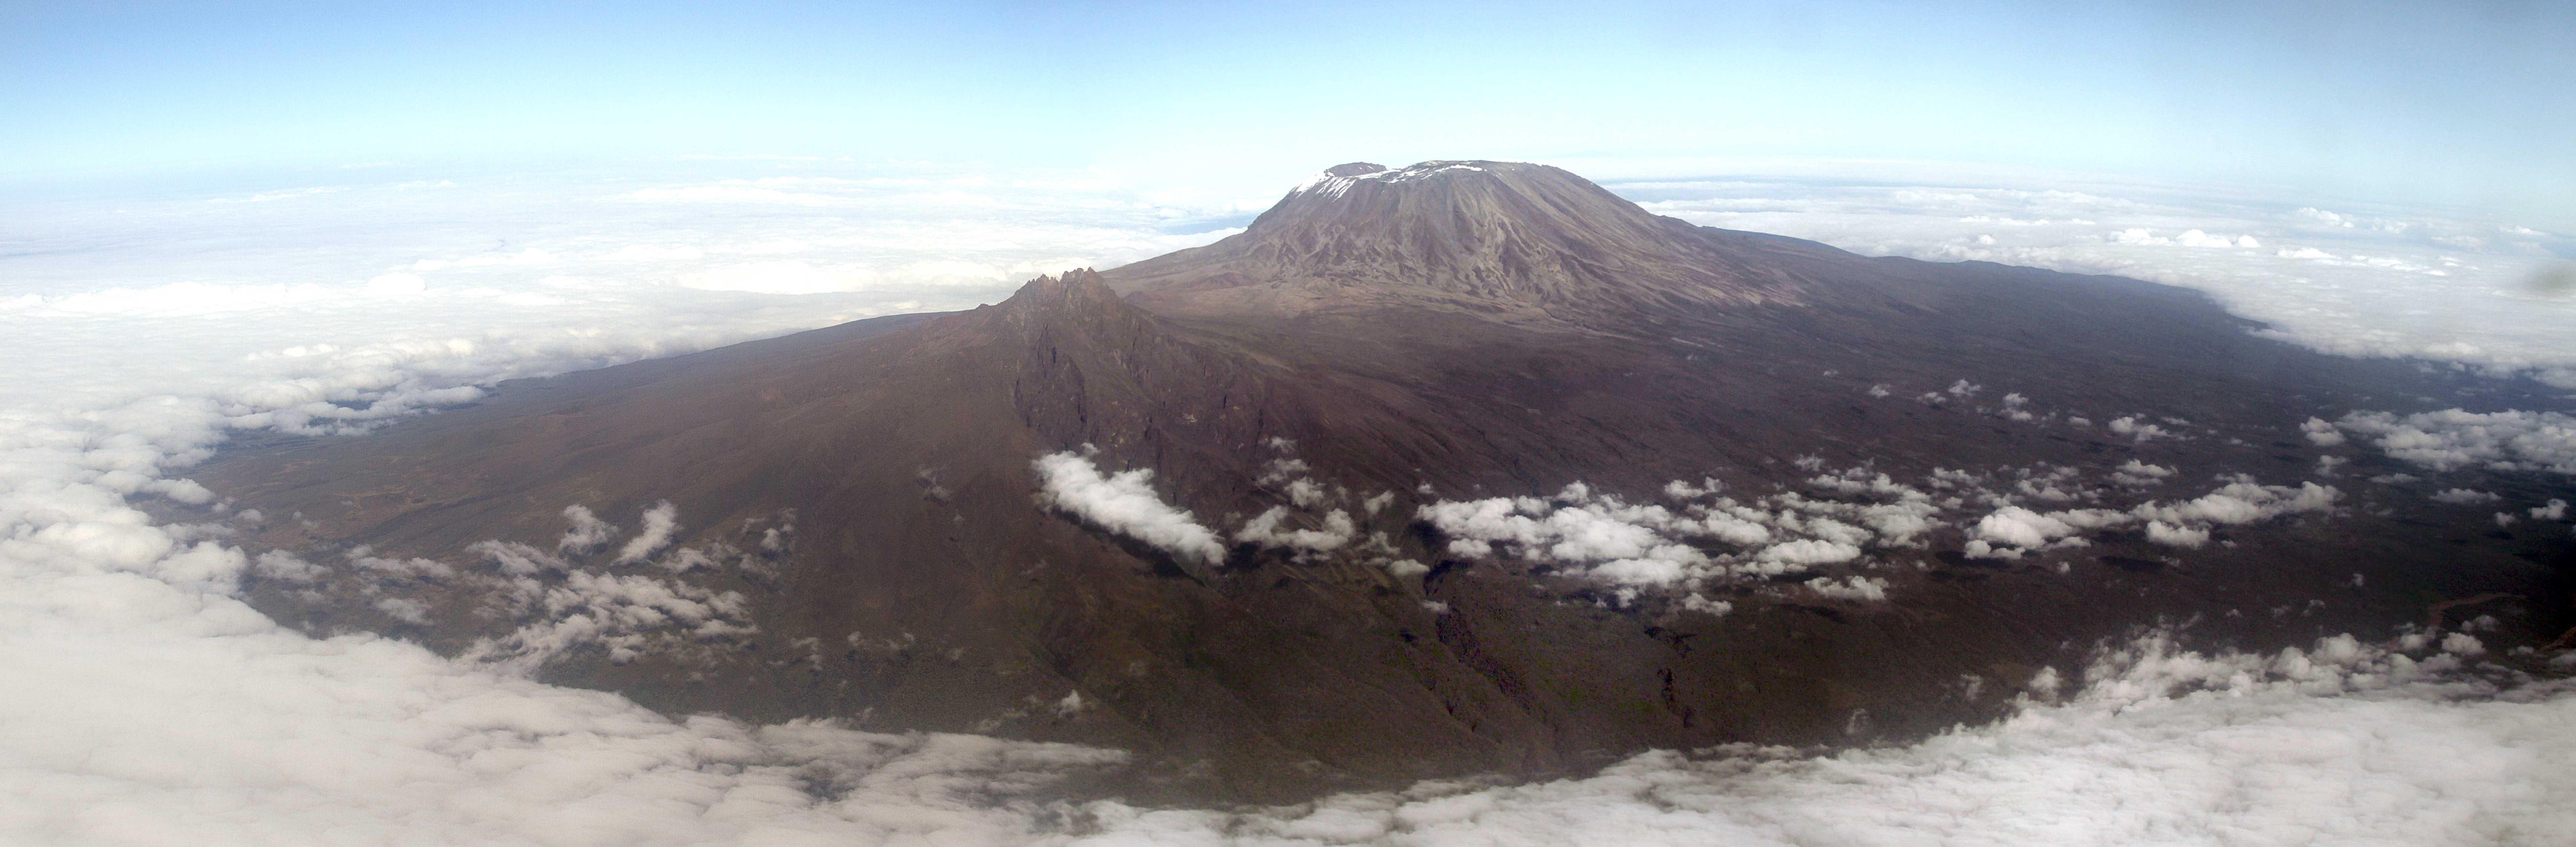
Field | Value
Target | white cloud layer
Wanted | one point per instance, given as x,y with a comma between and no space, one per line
2343,744
2377,281
173,713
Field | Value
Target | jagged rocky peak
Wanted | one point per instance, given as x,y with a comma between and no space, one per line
1080,284
1054,309
1080,294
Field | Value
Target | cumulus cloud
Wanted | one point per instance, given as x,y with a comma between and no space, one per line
626,615
2177,536
363,558
2452,439
2013,531
2140,474
1850,588
1621,542
517,559
404,609
2132,427
587,532
2324,217
2021,527
1803,552
1124,503
1704,537
660,522
1578,532
279,564
1264,529
2244,501
2015,407
2321,433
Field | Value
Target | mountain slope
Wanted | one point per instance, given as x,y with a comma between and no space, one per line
1462,467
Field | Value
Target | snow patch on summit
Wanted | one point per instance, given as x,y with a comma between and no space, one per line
1332,185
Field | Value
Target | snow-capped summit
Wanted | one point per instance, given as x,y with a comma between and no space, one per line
1337,180
1471,234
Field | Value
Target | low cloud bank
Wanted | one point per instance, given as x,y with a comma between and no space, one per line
2379,281
2342,743
174,713
171,712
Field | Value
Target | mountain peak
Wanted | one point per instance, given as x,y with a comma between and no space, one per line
1481,235
1339,179
1075,297
1076,284
1052,309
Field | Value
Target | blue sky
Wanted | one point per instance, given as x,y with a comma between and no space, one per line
2464,104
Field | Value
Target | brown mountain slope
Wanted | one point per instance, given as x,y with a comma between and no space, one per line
859,526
